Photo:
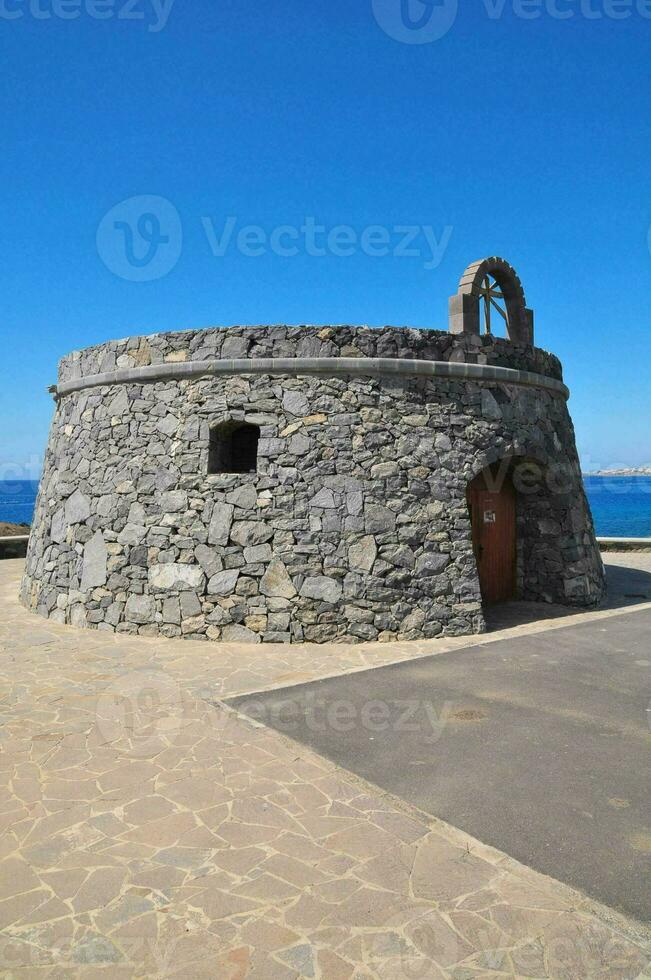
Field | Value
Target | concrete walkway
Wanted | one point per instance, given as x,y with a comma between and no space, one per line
149,831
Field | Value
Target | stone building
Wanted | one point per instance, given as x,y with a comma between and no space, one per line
290,484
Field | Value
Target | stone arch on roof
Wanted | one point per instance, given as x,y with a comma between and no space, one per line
464,305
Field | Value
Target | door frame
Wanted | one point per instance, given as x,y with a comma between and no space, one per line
496,480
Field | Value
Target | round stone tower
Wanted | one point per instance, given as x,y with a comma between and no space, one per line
313,484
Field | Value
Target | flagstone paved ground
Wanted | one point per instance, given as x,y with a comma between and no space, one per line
149,831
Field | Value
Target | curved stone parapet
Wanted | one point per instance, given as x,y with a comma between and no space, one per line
353,523
235,343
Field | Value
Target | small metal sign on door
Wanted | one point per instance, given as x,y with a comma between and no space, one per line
489,517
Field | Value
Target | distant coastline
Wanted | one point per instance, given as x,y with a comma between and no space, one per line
634,471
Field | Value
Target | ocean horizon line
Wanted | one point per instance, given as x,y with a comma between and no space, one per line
620,503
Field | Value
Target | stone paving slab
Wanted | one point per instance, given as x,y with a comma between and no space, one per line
148,833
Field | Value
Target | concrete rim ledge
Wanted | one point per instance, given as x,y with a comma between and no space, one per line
334,366
624,544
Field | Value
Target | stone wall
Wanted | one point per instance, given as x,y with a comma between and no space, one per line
264,342
355,526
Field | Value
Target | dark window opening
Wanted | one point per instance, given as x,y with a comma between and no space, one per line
233,448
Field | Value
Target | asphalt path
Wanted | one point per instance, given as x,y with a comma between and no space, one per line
538,745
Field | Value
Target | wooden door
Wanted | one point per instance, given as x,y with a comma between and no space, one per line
492,513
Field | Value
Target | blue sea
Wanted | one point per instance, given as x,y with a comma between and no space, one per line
621,505
17,499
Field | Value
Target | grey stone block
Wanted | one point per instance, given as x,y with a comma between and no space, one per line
362,554
322,588
276,581
94,573
172,611
223,584
77,508
173,501
251,533
239,634
175,577
140,609
220,524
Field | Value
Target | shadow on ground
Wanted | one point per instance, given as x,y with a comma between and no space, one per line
627,586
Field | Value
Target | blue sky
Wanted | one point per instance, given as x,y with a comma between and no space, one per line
519,136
